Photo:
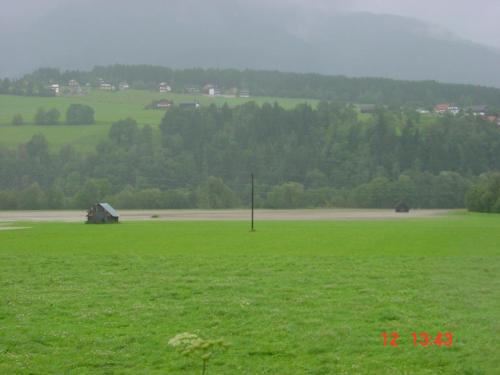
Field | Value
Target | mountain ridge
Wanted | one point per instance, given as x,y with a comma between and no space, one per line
193,34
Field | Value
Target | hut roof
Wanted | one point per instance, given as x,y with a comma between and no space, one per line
110,210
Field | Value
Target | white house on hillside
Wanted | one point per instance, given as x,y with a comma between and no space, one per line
244,93
56,89
213,91
478,110
447,108
164,87
106,87
123,86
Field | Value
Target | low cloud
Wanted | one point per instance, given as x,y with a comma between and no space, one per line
477,20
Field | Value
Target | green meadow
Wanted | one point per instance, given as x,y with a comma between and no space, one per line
109,107
291,298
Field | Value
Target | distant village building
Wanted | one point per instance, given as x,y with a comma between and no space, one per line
74,87
102,213
106,87
213,91
454,109
207,88
56,89
447,108
189,105
367,108
478,110
160,104
232,92
164,87
244,93
122,86
491,118
441,108
192,89
423,111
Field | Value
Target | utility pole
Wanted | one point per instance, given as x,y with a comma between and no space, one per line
253,229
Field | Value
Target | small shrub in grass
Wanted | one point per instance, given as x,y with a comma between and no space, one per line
50,117
79,114
17,120
190,344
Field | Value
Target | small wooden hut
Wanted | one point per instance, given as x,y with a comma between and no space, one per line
102,213
402,207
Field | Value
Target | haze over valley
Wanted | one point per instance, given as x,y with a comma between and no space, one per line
243,34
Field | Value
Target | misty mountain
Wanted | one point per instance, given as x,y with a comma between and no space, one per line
225,34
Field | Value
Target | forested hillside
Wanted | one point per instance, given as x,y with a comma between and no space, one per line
302,157
264,83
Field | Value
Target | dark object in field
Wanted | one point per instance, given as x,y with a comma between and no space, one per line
402,207
367,108
102,213
189,105
159,104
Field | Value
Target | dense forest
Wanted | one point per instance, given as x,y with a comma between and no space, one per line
324,156
24,87
266,83
485,194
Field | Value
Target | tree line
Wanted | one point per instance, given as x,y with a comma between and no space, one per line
76,114
324,156
25,87
485,194
271,83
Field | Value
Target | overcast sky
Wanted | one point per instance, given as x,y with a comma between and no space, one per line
477,20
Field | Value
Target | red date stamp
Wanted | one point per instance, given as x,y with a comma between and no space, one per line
420,339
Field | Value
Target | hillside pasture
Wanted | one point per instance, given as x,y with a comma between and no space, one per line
109,107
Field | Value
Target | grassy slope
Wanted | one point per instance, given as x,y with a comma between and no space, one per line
292,298
109,107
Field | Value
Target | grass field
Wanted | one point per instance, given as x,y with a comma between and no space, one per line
83,138
109,107
291,298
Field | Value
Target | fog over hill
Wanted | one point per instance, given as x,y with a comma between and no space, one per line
229,34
